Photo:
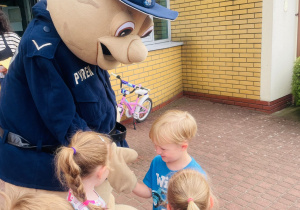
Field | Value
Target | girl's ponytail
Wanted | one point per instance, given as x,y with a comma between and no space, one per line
68,172
86,152
191,204
189,190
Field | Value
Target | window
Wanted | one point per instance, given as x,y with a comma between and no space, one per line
161,31
19,13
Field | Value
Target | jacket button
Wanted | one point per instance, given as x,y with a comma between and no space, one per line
46,29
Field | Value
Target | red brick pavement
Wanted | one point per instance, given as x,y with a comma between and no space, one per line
252,158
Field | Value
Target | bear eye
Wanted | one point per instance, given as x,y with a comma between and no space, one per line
147,32
125,29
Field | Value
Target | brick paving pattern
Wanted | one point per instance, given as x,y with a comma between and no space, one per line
252,158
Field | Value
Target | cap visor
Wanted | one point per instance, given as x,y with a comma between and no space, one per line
157,11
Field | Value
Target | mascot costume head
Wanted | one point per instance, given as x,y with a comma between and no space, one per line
106,32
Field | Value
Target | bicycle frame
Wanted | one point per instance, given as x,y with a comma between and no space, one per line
133,106
136,108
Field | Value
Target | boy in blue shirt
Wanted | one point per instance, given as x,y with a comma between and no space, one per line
171,134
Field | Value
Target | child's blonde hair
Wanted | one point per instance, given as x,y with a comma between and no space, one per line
189,190
86,152
36,201
174,126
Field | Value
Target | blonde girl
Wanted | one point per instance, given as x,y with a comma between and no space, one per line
35,201
188,190
82,166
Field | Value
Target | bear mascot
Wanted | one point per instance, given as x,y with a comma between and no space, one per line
57,83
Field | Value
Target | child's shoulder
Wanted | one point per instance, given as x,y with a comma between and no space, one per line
196,166
157,159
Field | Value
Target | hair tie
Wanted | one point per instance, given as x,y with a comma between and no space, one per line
74,150
190,199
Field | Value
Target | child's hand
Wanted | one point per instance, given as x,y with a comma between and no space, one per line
4,64
121,178
3,70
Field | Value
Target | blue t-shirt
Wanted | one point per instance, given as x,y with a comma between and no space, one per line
157,179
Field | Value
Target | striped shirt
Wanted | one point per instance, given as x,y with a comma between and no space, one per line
12,40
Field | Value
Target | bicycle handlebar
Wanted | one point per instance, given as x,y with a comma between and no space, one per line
117,76
127,83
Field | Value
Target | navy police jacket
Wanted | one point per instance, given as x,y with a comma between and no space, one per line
46,97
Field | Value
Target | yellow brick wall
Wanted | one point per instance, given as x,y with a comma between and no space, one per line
222,46
161,72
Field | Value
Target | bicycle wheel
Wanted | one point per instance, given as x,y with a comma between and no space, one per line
143,113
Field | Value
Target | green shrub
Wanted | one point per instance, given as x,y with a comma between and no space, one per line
296,82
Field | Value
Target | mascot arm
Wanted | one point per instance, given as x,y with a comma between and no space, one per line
52,98
121,178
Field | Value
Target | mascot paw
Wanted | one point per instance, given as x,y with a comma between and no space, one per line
121,178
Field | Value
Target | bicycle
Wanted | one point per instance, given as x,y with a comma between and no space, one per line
140,108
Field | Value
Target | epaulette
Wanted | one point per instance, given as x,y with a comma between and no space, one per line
42,40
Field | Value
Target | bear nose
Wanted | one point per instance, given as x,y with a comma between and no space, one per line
137,51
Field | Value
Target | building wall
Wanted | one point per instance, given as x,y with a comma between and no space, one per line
279,41
221,54
161,72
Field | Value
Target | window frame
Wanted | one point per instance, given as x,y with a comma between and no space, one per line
150,39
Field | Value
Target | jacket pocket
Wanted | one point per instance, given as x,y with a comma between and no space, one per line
88,104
